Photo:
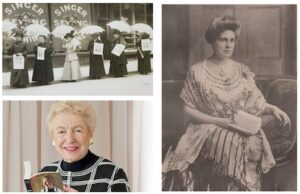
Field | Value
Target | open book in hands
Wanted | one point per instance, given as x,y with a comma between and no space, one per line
42,182
246,123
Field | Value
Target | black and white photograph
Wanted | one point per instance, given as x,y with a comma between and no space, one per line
229,97
88,48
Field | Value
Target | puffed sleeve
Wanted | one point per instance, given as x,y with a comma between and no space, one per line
120,182
190,92
75,44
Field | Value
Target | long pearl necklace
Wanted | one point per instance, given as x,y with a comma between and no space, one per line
222,73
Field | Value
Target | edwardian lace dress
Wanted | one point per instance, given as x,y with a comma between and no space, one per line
71,67
238,158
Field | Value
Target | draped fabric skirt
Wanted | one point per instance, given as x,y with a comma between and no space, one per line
208,157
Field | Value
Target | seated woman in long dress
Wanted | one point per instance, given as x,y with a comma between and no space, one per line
212,155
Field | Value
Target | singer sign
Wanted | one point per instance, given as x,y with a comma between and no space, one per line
24,14
76,15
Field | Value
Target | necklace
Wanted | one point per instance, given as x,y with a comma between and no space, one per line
222,73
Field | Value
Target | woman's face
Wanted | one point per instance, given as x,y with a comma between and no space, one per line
223,46
19,38
116,36
41,39
71,136
94,36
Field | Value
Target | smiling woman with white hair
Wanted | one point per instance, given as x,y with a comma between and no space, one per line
71,125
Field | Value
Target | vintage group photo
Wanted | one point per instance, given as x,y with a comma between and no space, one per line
104,48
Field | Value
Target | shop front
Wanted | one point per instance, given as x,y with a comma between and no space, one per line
77,15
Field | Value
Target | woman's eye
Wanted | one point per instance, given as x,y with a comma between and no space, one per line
78,129
61,132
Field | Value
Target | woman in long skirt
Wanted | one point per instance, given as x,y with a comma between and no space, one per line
71,67
144,61
19,76
96,58
43,69
118,64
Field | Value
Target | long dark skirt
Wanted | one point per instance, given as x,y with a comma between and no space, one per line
96,67
19,77
144,64
118,65
118,70
43,71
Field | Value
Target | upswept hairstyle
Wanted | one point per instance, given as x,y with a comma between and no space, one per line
221,24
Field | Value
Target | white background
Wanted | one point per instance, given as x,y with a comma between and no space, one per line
154,173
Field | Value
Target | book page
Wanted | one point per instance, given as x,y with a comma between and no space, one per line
247,121
27,167
47,182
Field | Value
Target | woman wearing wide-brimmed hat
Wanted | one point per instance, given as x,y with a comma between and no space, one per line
71,67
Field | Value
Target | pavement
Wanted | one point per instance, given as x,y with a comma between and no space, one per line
133,84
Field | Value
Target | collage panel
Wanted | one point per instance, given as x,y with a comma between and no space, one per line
93,49
86,146
77,96
229,97
143,96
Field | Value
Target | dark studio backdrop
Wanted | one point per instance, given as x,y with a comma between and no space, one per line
267,43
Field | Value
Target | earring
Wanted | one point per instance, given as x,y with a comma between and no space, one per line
91,141
53,143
